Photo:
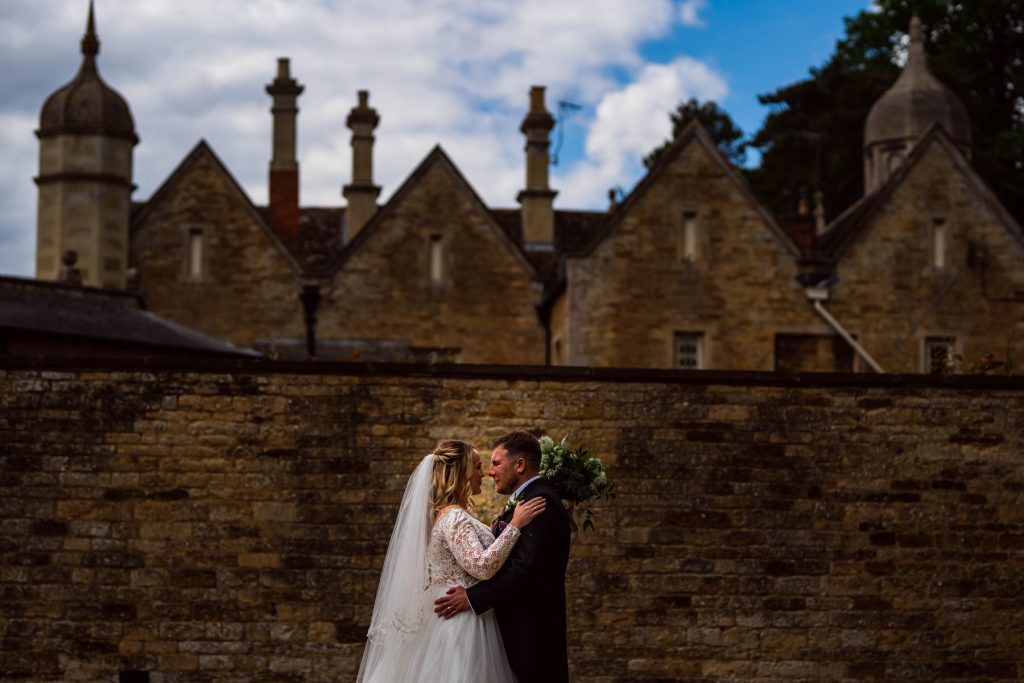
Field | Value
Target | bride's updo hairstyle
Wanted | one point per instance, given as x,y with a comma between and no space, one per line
452,462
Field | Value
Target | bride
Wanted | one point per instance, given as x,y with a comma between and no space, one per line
437,544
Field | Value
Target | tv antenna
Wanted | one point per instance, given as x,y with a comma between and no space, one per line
565,108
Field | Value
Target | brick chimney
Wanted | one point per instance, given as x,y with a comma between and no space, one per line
284,167
538,216
361,193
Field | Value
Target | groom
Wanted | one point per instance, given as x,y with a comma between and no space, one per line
528,592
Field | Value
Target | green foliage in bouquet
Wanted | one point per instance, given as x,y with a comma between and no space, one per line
577,475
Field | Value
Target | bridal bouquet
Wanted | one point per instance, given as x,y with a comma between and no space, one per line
577,475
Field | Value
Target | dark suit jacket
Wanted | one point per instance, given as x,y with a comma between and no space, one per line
528,593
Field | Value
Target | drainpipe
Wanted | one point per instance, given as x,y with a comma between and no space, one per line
818,294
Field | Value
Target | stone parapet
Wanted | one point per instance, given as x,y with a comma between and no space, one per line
227,520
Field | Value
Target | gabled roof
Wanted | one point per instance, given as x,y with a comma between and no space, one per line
436,156
694,132
843,231
201,151
572,231
60,310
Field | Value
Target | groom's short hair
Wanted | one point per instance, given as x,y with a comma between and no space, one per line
521,445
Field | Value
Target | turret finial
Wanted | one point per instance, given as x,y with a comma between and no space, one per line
916,51
915,29
90,42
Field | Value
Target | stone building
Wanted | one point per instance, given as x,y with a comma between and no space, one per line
688,271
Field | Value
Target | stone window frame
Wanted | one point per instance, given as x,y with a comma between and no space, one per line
929,339
939,243
438,266
688,237
701,351
857,366
196,265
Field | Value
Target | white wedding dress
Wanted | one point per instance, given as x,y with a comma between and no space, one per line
407,642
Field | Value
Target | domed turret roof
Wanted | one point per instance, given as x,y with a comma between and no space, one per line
916,101
87,105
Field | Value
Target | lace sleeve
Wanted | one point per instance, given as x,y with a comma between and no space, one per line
469,552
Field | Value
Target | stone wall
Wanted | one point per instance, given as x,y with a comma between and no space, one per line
226,522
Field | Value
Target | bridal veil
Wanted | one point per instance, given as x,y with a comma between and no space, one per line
403,605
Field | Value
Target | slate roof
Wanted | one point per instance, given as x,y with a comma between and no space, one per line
320,231
572,230
108,315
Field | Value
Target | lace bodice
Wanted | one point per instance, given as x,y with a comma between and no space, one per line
462,550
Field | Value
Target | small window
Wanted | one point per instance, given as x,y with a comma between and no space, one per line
690,350
893,161
195,254
938,354
688,238
939,243
436,259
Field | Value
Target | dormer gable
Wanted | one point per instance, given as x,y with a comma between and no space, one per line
693,134
436,163
852,223
199,155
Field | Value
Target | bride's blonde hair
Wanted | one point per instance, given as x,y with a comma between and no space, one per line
453,461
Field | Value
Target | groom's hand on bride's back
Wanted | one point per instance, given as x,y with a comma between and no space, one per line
452,603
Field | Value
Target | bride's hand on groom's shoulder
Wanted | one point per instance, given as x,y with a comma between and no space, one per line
527,511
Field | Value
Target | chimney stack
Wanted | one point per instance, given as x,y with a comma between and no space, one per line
284,167
538,216
361,193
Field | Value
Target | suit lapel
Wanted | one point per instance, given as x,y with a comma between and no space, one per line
506,515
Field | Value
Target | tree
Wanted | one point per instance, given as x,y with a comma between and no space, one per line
726,134
975,48
813,138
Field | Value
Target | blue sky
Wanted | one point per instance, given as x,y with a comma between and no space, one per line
449,72
759,46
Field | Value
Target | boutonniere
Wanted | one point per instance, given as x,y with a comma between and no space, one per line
512,502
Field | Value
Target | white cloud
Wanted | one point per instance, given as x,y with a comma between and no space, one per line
689,12
454,72
632,121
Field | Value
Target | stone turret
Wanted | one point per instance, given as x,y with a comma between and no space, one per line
86,137
915,102
536,199
361,193
284,167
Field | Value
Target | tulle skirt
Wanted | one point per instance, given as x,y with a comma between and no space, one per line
464,649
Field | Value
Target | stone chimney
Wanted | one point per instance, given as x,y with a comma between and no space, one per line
361,193
538,216
284,167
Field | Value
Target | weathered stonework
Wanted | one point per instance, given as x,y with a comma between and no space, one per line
483,303
227,523
893,296
84,205
248,287
637,288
